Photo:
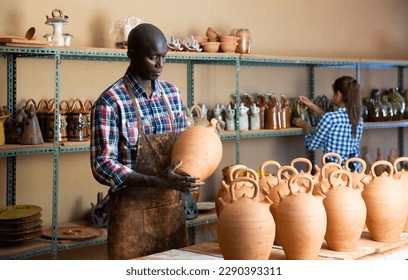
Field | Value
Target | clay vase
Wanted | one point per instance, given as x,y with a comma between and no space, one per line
403,174
346,212
267,181
387,204
77,119
245,227
281,185
301,220
356,176
200,150
241,188
325,172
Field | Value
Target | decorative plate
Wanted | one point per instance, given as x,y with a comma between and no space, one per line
205,206
18,212
74,233
20,226
20,233
22,238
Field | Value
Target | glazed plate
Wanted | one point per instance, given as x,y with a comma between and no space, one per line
18,212
20,226
20,238
74,233
205,206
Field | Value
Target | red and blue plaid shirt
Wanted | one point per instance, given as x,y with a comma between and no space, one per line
114,125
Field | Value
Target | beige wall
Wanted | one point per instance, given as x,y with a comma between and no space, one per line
326,28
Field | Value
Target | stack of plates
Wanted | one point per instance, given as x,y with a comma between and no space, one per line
19,223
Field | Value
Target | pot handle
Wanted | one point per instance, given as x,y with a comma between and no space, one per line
244,170
397,161
197,109
246,179
27,105
268,163
305,160
384,162
338,174
331,154
359,160
327,166
303,176
232,169
284,168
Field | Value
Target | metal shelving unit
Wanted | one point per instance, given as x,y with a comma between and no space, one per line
190,59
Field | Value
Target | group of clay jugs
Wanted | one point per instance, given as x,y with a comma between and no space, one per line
387,202
245,227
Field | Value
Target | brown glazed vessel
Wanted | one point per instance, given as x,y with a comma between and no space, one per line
345,210
245,227
387,204
241,188
403,174
200,150
301,220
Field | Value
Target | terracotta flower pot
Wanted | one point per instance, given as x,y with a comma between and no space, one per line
301,220
245,227
346,212
387,204
200,150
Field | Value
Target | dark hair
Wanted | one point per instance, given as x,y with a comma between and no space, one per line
350,89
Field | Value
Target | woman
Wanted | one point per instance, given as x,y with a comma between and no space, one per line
339,131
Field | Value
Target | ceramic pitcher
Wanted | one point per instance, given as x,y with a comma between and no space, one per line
345,210
387,204
245,227
301,219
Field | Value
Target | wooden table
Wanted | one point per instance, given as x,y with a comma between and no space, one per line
366,249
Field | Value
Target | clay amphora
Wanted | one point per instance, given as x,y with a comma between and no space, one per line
200,150
301,220
356,176
403,174
387,204
237,170
77,119
245,227
345,210
325,172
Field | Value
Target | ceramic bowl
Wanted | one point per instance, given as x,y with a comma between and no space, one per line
228,38
228,46
211,46
201,39
212,34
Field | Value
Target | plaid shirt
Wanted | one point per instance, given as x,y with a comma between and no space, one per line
334,134
114,137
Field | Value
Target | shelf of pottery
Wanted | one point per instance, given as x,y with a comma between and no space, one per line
276,124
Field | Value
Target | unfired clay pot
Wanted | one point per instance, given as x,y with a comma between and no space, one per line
200,150
323,180
301,220
345,210
245,227
403,174
267,181
387,204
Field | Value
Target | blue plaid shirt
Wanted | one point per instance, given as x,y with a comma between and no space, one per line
334,134
114,136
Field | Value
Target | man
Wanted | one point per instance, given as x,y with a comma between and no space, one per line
134,125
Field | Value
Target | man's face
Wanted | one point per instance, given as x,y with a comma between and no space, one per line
150,63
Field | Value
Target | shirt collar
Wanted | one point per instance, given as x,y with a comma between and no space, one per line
137,89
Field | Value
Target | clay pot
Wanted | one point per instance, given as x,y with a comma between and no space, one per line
356,176
387,204
211,47
345,210
403,174
301,220
228,46
77,122
200,150
245,227
212,34
235,171
336,155
200,119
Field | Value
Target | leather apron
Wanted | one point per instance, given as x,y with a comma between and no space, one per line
147,220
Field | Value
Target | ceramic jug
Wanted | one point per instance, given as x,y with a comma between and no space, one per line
243,117
200,150
230,118
301,219
77,119
254,123
402,173
387,204
235,171
345,210
245,227
268,181
200,118
88,104
323,180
